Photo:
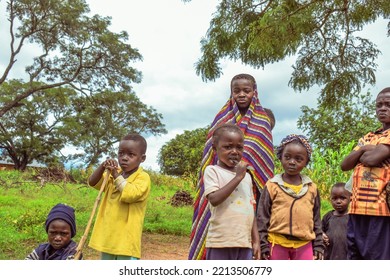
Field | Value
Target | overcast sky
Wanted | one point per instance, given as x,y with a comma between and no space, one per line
168,33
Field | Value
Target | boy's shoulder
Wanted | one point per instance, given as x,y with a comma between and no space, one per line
328,215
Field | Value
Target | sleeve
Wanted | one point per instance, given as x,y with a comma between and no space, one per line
325,222
318,245
263,219
137,189
210,180
71,251
99,184
385,140
32,256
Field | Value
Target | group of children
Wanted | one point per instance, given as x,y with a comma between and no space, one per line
243,211
288,220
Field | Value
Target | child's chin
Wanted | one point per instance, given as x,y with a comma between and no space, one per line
57,247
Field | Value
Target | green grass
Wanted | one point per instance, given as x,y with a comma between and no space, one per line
24,209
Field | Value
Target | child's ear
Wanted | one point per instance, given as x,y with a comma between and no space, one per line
143,157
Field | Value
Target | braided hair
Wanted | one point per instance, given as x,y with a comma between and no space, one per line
297,139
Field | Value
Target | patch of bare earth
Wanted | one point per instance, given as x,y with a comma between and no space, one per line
154,247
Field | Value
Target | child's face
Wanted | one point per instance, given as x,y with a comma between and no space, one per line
229,149
242,92
383,108
59,234
294,158
340,198
130,155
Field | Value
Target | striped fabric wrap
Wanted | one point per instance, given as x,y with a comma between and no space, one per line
258,152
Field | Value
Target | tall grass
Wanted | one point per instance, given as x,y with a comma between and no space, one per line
325,170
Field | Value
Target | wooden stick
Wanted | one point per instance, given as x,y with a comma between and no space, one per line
83,239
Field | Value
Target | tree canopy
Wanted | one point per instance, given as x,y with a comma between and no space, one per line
323,124
32,130
321,33
75,49
77,86
100,121
183,154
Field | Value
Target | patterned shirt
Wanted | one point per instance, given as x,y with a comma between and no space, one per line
42,252
368,189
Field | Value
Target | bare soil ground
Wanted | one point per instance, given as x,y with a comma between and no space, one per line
155,247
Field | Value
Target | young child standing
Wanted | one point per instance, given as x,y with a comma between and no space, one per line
60,226
118,227
232,233
289,219
334,224
243,109
368,233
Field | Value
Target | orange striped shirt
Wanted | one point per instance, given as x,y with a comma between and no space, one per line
368,192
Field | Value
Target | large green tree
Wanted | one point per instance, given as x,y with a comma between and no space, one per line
101,121
70,48
321,33
330,128
183,154
32,130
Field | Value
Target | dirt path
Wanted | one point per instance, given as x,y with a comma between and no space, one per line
155,247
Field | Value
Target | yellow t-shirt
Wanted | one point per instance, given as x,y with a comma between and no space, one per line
119,222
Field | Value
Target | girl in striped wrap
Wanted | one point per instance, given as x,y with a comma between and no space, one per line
243,109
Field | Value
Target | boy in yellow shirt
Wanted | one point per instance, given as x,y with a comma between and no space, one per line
118,227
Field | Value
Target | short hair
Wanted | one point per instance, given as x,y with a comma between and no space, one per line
223,128
387,89
246,77
137,138
271,117
338,185
297,139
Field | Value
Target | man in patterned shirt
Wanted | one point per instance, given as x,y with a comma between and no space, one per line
368,233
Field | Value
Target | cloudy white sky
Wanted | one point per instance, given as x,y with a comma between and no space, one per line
167,34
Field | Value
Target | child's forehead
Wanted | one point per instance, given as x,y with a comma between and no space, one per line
242,82
129,144
230,135
383,95
338,190
294,145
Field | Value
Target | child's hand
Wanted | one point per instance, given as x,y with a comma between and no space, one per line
256,251
325,239
318,255
111,165
241,168
265,256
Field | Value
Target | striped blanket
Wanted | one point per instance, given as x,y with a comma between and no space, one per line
258,152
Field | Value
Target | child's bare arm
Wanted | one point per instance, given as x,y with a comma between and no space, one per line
376,155
255,240
354,157
110,164
219,196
